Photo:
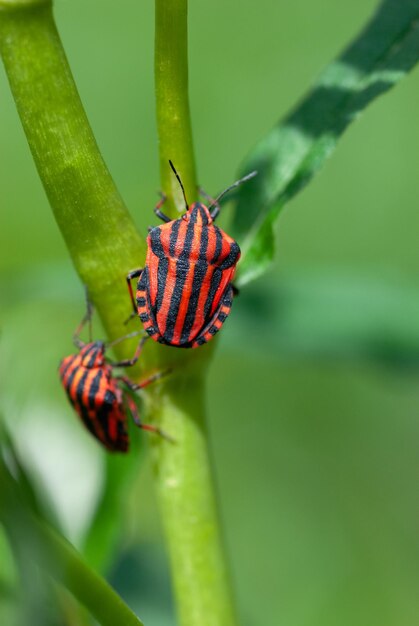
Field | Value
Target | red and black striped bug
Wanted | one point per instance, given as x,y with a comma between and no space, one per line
185,292
96,394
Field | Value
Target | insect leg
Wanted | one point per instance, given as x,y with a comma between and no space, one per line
158,206
134,359
134,274
144,383
154,429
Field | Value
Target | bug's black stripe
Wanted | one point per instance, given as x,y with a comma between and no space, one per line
215,283
190,231
218,244
204,244
182,271
143,286
69,383
204,216
219,316
227,299
199,275
94,352
144,317
83,409
91,427
81,386
173,236
94,388
161,282
103,412
151,330
155,240
143,281
231,259
122,430
141,301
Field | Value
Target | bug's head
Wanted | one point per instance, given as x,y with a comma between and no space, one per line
198,214
93,354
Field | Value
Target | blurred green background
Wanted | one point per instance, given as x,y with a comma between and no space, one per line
314,389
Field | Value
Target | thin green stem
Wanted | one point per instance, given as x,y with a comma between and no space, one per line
96,226
52,552
172,103
183,470
189,510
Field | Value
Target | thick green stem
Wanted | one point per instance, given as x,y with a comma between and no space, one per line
52,552
97,228
183,470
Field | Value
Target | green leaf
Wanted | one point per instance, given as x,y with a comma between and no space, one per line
289,156
38,542
335,316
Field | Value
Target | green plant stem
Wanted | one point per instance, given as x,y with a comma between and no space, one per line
52,552
183,470
96,226
104,245
185,488
172,103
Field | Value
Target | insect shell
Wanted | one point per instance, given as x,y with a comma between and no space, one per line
95,392
95,395
185,292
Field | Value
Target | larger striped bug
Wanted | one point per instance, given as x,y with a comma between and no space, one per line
100,398
185,292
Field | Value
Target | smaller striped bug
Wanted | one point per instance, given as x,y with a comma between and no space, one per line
185,292
96,394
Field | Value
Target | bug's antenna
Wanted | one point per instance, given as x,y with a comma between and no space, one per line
133,334
223,193
89,312
180,183
87,319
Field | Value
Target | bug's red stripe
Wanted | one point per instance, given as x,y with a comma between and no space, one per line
113,428
75,388
75,382
212,241
102,412
64,365
183,307
74,362
88,397
203,295
162,316
187,292
226,279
